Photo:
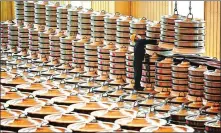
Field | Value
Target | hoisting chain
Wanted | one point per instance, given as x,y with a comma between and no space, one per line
190,10
175,8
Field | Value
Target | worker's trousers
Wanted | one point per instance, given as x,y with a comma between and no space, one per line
139,53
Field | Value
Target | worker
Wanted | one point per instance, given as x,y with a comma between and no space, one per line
139,53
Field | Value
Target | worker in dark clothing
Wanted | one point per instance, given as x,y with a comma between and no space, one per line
139,53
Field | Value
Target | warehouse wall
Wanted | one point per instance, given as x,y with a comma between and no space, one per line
152,10
212,18
149,9
7,10
124,7
103,5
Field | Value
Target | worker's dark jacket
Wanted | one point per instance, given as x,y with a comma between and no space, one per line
139,52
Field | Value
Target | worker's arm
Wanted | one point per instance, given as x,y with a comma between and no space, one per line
138,40
145,42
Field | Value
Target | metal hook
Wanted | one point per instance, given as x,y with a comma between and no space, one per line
181,93
80,7
198,98
23,115
17,75
117,13
175,8
190,13
103,11
91,9
144,18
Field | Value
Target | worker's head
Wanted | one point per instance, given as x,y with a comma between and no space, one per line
134,37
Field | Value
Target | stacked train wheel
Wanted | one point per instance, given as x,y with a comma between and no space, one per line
180,78
40,13
29,13
33,38
51,17
13,37
110,28
212,98
43,42
167,34
78,52
153,33
97,24
212,87
163,76
23,36
90,52
118,63
62,13
123,31
72,23
196,83
104,58
189,36
148,70
4,34
19,11
66,49
153,30
129,67
84,23
54,40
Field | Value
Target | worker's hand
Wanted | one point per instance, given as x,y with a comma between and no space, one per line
134,37
138,37
158,40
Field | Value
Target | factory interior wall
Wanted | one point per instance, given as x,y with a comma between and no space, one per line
212,17
124,7
7,11
152,10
